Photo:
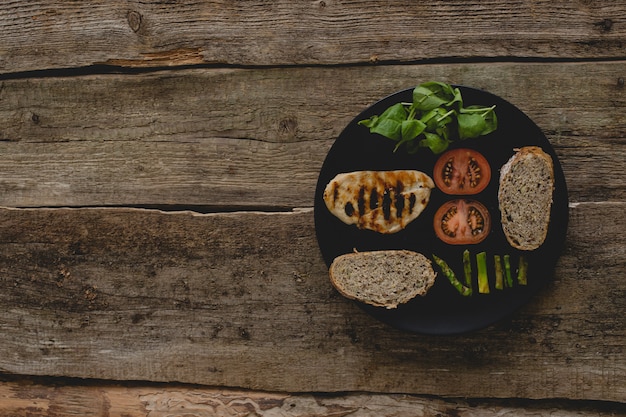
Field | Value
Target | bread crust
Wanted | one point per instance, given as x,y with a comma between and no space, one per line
384,278
525,198
521,153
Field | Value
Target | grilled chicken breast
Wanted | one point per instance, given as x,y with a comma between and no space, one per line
382,201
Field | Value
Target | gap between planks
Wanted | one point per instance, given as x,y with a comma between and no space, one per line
109,69
179,209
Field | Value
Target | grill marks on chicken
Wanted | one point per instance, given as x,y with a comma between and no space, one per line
382,201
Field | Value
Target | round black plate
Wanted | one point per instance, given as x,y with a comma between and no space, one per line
443,310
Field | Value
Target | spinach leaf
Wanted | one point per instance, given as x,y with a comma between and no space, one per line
388,124
410,130
457,101
476,121
431,95
436,143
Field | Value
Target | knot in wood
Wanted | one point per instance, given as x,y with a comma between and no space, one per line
288,126
605,25
134,20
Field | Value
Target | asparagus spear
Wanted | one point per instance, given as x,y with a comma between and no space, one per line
467,268
507,271
483,279
522,271
499,275
449,273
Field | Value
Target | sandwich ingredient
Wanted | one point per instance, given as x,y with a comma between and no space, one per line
467,268
525,197
501,269
499,284
462,222
382,201
483,278
508,277
462,171
522,271
385,278
435,118
449,273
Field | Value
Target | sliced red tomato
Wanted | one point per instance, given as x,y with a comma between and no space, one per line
462,171
462,222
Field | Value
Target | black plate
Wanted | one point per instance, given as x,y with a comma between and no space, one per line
443,310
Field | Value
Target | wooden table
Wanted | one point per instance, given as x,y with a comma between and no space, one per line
158,161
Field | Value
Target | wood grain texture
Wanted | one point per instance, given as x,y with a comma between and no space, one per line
229,108
219,137
36,399
243,300
50,34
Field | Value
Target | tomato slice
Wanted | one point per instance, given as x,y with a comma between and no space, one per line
462,222
462,171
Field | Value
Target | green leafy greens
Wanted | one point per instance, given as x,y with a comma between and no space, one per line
434,119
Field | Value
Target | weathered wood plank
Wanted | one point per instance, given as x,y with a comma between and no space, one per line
213,137
47,34
104,400
243,299
203,175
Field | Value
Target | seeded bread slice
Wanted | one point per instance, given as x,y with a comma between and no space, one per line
383,278
525,197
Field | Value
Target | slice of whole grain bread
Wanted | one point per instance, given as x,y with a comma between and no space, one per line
525,197
383,278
